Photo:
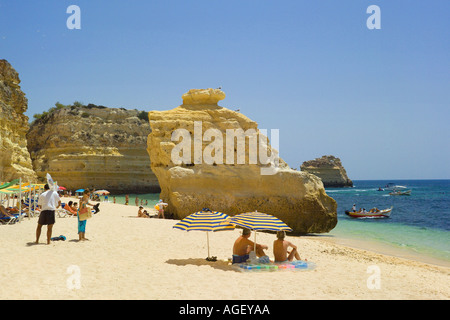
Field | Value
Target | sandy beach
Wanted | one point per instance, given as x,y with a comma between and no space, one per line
135,258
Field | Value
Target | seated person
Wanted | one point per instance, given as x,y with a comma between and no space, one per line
243,246
142,213
280,249
14,209
69,207
24,207
5,212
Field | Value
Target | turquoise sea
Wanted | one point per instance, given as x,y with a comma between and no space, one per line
419,225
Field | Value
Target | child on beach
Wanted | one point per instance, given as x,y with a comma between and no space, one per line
84,203
160,207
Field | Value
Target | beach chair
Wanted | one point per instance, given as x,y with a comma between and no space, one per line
63,213
8,220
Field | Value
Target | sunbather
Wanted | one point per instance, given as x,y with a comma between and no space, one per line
5,212
69,207
243,246
280,249
142,213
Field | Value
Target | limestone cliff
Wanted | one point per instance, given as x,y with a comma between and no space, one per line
15,160
233,183
85,147
329,169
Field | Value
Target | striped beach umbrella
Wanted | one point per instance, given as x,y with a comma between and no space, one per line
259,221
205,220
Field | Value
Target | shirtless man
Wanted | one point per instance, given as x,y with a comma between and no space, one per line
243,246
280,249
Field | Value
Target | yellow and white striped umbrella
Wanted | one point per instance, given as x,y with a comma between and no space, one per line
205,220
259,221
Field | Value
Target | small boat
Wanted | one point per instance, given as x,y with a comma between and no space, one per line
373,213
393,186
398,192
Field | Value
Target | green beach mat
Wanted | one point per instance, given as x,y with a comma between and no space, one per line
298,265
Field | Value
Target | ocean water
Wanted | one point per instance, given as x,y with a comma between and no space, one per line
419,224
151,198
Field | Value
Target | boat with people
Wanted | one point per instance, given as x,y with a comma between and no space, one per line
372,213
400,191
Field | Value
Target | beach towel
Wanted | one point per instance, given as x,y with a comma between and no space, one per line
60,238
298,265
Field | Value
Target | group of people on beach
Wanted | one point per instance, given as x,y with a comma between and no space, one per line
159,208
283,250
49,201
11,211
243,247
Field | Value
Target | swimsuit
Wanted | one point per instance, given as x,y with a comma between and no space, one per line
240,259
81,224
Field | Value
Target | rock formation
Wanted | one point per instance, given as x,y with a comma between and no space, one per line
209,176
85,147
15,160
330,170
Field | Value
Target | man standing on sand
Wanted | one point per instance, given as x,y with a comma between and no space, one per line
49,201
280,249
243,246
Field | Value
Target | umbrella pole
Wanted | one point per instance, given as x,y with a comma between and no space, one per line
255,243
20,202
207,241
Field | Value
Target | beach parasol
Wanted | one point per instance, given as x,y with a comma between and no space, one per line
205,220
53,185
8,184
79,190
258,221
101,192
61,188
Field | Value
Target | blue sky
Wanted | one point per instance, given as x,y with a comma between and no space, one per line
378,99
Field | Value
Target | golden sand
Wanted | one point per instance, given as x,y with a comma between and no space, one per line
135,258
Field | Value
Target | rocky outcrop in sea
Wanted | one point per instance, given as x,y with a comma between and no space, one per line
330,170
